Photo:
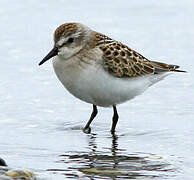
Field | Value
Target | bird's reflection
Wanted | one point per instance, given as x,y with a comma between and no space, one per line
114,148
116,163
93,146
92,143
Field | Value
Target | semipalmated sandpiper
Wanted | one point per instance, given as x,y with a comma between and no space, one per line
100,70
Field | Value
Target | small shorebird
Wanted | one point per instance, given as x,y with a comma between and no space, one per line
100,70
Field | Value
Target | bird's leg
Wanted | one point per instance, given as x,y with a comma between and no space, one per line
87,128
114,119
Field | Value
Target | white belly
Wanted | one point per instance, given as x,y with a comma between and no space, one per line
92,84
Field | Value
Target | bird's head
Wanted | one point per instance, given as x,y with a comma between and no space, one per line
69,39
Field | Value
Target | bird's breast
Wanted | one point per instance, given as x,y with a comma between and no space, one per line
92,84
76,76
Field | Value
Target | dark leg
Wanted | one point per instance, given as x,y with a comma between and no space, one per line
114,119
93,115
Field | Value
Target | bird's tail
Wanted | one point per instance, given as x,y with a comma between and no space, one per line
162,67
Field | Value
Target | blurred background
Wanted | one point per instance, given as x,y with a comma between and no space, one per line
41,123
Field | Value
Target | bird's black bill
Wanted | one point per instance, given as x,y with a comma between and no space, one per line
51,54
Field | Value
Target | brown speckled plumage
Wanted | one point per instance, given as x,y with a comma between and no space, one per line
121,61
101,39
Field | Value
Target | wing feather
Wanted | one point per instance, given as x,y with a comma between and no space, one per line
121,61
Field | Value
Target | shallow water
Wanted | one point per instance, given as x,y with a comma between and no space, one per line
41,122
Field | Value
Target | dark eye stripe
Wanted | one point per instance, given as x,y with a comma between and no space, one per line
70,40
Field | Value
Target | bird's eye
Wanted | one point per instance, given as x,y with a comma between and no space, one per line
70,40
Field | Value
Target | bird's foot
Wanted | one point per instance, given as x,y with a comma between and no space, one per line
112,131
87,130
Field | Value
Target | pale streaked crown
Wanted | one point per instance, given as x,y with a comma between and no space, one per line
78,31
65,30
